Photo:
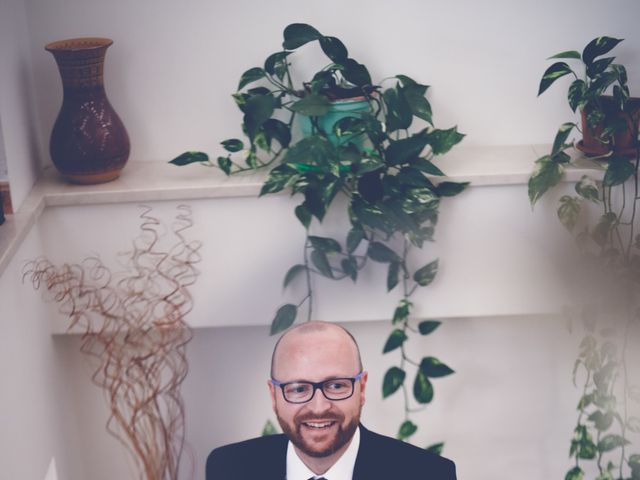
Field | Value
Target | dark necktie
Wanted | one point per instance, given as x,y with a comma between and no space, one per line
319,478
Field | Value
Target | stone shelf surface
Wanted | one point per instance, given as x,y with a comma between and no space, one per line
159,181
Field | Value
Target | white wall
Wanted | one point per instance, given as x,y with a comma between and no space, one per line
174,64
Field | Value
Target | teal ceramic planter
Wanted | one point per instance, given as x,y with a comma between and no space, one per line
351,107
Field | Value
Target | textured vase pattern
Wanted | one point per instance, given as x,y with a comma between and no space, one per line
89,143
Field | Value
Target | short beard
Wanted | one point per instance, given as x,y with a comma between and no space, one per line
343,436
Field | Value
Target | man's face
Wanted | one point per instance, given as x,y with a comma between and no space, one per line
320,427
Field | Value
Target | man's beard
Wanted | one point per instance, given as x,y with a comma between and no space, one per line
342,437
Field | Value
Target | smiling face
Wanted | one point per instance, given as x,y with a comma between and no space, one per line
314,352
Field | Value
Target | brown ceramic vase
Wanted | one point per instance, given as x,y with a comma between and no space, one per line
89,143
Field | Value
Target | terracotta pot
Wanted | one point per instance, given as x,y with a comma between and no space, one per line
624,143
89,143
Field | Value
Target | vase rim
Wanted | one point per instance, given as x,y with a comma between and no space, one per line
79,43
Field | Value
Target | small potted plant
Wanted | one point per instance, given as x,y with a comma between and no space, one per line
609,122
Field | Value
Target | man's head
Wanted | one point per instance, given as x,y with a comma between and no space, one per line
315,352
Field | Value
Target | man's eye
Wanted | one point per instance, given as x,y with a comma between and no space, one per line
336,386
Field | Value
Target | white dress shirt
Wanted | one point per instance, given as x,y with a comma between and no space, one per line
341,470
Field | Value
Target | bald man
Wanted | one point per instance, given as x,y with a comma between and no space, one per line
317,390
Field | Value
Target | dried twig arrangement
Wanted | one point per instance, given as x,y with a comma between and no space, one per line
133,324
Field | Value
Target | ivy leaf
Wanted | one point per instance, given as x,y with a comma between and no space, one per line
293,273
434,368
275,64
588,188
298,34
232,145
428,167
576,95
575,473
428,326
407,429
602,421
399,115
355,72
350,267
312,105
598,67
546,175
279,178
450,189
422,388
610,442
381,253
561,137
225,164
303,215
354,237
568,211
285,316
257,111
319,259
402,311
619,170
598,46
569,54
325,244
250,76
392,275
442,141
405,150
419,105
425,275
551,74
392,381
190,157
278,130
436,448
395,340
334,49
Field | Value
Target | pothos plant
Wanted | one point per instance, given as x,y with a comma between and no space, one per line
380,160
610,249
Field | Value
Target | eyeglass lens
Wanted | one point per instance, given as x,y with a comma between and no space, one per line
336,389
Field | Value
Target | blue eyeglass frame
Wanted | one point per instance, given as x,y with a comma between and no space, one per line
318,386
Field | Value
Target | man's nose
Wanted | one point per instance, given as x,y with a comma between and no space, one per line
319,402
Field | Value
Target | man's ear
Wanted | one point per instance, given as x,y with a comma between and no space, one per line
363,384
272,393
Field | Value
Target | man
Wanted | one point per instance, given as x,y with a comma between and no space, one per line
317,389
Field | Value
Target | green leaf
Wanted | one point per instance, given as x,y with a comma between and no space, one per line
314,150
434,368
407,429
436,448
598,67
402,311
257,111
355,72
285,316
611,442
428,167
250,76
190,157
392,275
551,74
587,188
425,275
568,54
303,215
354,237
450,189
278,130
298,34
334,49
312,105
602,421
325,244
598,46
442,141
428,326
350,267
275,64
575,473
232,145
379,252
399,115
546,175
561,137
279,178
392,381
568,211
419,105
577,92
269,429
395,340
320,260
405,150
225,164
293,273
620,169
422,388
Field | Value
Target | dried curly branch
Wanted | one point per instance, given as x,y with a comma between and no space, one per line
133,324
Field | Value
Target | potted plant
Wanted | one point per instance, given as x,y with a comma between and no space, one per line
373,145
609,122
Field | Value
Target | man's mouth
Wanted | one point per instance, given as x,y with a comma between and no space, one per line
318,425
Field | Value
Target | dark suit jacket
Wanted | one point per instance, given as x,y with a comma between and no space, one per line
379,458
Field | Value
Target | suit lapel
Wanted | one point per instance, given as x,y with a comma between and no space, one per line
365,468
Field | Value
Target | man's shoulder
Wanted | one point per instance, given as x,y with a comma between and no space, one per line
405,455
241,457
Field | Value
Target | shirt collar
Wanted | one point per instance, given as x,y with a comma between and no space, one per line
341,470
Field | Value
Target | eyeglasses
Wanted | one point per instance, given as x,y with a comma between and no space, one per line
332,389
